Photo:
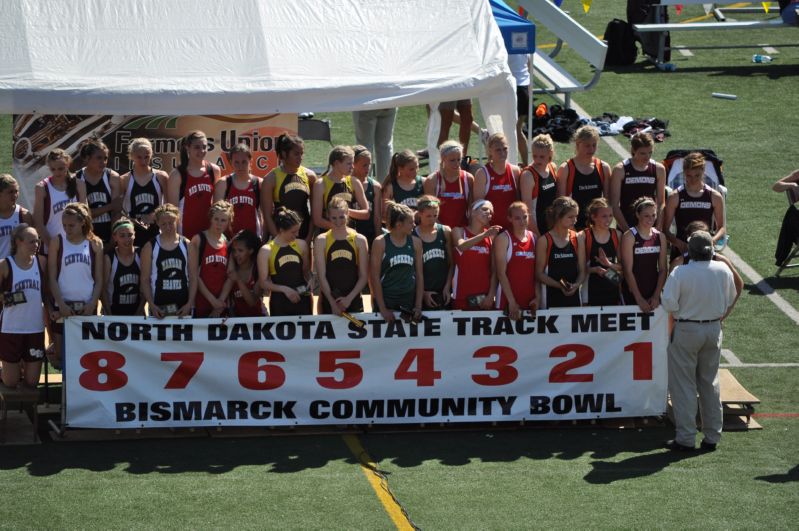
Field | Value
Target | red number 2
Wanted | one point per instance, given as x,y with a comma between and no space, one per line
583,355
189,365
102,371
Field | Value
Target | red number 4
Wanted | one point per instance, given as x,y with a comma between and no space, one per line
424,374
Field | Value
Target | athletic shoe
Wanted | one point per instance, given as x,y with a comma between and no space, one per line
674,446
707,446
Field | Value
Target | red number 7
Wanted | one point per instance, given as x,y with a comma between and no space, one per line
189,365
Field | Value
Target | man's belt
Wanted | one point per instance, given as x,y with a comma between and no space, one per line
698,320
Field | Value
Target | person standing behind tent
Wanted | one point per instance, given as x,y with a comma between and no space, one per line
451,185
437,263
403,185
602,251
498,180
521,73
11,213
191,184
121,294
447,111
372,190
374,129
341,257
560,257
245,290
336,182
584,177
103,188
514,262
637,176
693,201
474,282
165,267
538,184
284,266
643,255
289,185
23,272
144,189
208,258
53,194
397,277
699,295
789,230
242,190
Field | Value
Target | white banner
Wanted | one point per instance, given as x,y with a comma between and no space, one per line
453,367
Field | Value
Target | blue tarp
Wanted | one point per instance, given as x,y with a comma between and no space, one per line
517,32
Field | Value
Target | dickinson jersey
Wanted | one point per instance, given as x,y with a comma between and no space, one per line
635,184
240,306
435,265
520,271
246,204
26,317
341,269
501,190
545,191
97,196
453,196
646,254
212,271
398,274
562,265
691,208
7,225
472,271
293,191
196,196
285,269
367,226
55,201
408,197
75,267
123,286
584,188
601,291
169,277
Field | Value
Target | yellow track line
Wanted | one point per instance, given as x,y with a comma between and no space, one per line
378,483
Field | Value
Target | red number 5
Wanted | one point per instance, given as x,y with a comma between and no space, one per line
351,373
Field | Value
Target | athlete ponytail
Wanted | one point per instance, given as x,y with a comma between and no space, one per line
285,143
560,208
72,181
337,154
397,213
399,160
286,218
185,144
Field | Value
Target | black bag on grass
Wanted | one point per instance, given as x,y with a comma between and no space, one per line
622,50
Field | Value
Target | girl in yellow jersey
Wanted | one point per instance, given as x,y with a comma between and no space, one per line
337,182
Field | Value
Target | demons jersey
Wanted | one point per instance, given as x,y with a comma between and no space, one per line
501,190
691,208
646,255
196,196
453,197
520,259
636,183
246,204
98,195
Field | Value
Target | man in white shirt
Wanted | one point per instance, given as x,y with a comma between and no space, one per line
699,295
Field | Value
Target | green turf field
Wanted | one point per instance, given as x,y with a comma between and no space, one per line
505,479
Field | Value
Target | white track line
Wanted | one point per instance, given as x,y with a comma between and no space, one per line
731,358
769,49
757,365
685,52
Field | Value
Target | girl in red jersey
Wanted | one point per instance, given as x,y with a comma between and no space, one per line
643,255
402,185
451,185
514,261
246,294
208,263
560,257
242,190
498,180
475,280
23,277
11,213
602,252
637,176
53,194
289,185
584,177
538,183
103,188
336,182
437,263
361,166
144,188
191,184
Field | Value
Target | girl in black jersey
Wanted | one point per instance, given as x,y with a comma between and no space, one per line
289,185
584,177
538,184
602,252
143,188
438,264
103,189
341,257
165,267
635,177
643,255
560,257
284,267
337,182
122,267
361,166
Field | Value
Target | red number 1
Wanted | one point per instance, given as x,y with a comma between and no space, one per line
642,360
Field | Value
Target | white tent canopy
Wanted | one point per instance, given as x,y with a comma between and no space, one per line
250,56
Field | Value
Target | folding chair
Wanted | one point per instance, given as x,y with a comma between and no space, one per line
793,256
315,130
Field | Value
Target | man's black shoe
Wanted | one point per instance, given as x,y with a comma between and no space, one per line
707,446
674,446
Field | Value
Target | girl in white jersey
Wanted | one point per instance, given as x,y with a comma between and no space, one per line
11,214
53,194
75,269
22,277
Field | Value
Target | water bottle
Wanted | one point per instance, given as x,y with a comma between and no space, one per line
757,58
